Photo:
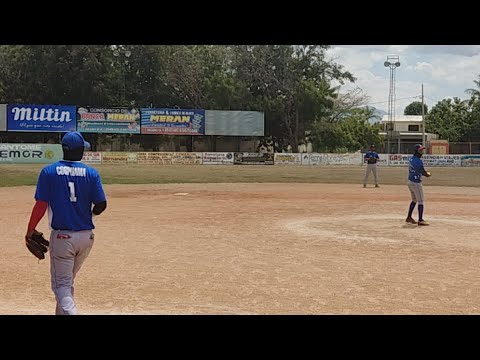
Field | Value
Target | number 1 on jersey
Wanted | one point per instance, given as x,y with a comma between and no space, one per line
71,185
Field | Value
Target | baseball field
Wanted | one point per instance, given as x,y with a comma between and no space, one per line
180,239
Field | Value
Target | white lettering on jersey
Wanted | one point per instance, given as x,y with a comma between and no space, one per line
71,171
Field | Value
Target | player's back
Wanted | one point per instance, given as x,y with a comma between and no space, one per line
72,187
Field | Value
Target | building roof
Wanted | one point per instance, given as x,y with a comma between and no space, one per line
409,135
403,118
405,133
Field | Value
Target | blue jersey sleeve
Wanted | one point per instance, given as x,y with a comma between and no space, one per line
98,193
418,166
42,192
376,156
421,168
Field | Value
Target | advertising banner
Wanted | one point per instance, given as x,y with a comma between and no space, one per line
44,118
242,158
187,158
345,159
108,120
30,153
442,160
222,158
314,159
470,160
113,157
92,157
428,160
398,159
155,158
172,121
288,159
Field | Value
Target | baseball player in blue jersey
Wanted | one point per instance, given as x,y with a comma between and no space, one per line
371,158
73,193
415,172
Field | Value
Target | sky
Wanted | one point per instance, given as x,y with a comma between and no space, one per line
444,70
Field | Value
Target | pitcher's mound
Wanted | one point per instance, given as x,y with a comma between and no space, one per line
388,228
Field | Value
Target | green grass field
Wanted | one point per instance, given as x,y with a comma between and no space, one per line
15,175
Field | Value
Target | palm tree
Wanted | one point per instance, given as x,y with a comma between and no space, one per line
475,93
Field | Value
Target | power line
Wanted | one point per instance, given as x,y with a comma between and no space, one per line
432,99
382,102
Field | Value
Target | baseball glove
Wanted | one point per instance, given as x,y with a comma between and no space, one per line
372,160
428,174
37,244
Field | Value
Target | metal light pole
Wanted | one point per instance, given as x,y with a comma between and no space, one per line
424,140
127,54
392,63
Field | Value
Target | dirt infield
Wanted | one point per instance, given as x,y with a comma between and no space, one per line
259,249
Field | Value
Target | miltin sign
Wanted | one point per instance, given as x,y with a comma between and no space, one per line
50,118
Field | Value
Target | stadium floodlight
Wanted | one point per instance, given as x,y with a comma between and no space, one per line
127,54
392,63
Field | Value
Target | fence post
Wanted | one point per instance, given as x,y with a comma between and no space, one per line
470,143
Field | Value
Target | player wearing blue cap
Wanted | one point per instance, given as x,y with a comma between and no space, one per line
371,158
415,172
73,193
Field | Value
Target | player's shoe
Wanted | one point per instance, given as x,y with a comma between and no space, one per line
364,185
423,223
410,220
377,185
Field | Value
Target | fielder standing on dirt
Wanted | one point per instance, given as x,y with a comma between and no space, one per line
73,193
371,158
415,172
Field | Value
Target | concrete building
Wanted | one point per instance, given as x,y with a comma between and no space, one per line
404,132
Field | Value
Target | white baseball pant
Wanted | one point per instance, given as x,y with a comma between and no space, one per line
68,250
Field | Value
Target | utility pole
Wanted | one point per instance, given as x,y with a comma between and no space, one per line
424,141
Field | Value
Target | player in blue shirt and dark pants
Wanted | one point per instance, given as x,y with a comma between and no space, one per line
371,158
415,172
73,193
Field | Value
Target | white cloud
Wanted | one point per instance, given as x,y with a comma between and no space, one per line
398,48
445,71
424,66
465,50
349,58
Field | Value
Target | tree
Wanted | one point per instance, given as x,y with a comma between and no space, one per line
57,74
202,76
359,132
475,93
290,83
352,133
415,108
449,119
473,133
327,136
344,104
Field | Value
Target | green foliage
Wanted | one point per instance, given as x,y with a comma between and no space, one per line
415,108
292,85
352,133
56,74
475,93
449,119
457,120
